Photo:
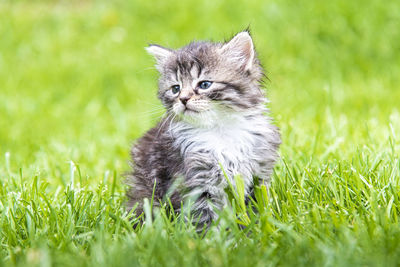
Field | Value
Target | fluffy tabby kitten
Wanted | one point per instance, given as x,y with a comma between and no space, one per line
216,116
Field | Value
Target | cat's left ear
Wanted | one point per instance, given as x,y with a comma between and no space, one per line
161,54
240,49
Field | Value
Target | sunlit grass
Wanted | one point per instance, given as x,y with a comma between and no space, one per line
76,88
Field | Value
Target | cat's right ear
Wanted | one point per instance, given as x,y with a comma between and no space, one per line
240,49
161,54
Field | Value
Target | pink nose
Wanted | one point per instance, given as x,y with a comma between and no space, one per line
184,99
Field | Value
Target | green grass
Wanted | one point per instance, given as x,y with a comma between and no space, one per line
76,88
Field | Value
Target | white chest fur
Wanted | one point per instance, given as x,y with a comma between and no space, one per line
234,144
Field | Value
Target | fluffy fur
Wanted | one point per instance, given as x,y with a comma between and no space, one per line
224,124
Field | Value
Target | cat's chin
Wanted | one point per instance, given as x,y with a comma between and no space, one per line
190,112
191,115
196,118
200,119
208,117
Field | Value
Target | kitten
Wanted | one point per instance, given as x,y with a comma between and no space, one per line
216,116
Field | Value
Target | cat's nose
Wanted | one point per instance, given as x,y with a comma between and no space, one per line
184,99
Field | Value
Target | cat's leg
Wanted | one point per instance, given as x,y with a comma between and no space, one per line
141,187
204,186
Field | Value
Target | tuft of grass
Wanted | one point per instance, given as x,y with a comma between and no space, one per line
76,87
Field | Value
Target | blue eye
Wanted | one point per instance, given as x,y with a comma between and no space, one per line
175,88
204,84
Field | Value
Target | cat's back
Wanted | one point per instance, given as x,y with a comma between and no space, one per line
154,161
154,149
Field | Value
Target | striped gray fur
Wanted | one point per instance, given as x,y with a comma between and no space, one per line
225,124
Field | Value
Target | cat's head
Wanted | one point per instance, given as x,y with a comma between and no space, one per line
205,78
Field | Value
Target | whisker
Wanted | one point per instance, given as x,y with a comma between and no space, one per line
169,127
150,113
164,121
149,103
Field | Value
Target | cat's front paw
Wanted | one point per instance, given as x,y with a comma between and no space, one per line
203,218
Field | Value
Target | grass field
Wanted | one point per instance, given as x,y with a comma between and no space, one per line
77,88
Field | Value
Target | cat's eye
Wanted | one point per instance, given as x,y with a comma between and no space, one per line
175,88
204,84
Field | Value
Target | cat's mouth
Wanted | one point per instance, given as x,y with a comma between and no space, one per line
195,107
189,111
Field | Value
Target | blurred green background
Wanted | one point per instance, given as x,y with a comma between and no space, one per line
76,83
